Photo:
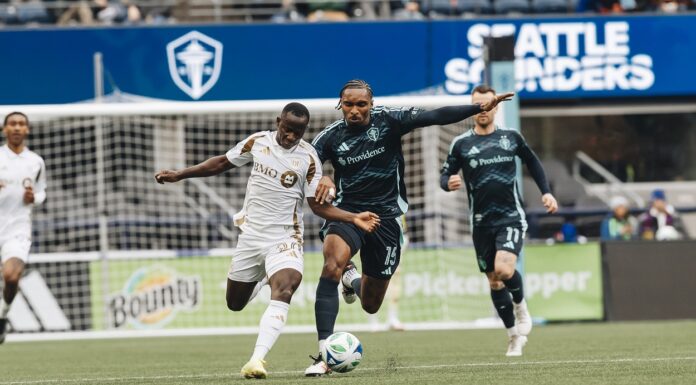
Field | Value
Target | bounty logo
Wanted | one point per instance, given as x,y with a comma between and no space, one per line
195,61
558,57
373,134
152,297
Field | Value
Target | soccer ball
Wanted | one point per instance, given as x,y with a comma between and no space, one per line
342,352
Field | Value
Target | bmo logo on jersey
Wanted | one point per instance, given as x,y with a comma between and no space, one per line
558,57
287,179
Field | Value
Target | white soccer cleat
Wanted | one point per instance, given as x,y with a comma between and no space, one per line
515,345
318,368
396,325
523,320
349,274
254,369
3,329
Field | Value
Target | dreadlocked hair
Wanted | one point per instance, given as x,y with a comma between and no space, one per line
353,84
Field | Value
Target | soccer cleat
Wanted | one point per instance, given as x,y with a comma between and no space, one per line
523,320
318,368
3,329
515,345
254,369
349,274
396,325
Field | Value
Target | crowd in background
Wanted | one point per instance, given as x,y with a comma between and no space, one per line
109,12
660,221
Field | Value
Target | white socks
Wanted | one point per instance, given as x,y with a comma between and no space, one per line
4,307
512,331
271,324
322,343
393,315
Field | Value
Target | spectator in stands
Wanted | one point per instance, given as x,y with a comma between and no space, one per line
325,10
25,12
599,6
619,224
659,222
406,10
668,6
133,13
109,12
78,13
101,12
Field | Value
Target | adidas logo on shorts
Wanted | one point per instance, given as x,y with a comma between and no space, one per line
509,245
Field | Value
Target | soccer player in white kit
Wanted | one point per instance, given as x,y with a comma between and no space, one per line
22,186
286,169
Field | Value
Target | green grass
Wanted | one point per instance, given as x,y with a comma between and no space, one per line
596,353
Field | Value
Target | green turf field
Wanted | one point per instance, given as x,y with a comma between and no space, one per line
597,353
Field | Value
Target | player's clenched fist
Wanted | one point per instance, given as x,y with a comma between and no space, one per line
167,176
326,190
454,182
367,221
550,203
28,195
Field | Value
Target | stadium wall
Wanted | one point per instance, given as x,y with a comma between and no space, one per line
560,58
649,280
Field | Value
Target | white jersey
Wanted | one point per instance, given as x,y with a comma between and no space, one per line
280,181
18,171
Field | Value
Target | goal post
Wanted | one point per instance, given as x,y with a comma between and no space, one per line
116,251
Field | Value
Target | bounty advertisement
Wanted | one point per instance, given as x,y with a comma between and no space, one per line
556,58
562,283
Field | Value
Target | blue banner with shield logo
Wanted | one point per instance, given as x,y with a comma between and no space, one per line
557,58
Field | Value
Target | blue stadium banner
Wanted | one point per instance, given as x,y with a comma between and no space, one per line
557,58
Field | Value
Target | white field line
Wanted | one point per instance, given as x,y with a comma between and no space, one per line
190,332
299,372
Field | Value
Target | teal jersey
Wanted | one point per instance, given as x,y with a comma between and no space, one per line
368,161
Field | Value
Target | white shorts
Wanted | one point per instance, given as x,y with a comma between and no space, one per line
255,257
16,246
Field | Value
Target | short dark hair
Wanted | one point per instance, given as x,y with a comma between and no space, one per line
482,89
297,109
7,117
354,84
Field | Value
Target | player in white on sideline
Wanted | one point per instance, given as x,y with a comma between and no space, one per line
22,186
285,170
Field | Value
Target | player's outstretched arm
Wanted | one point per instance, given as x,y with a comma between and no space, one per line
213,166
365,220
452,114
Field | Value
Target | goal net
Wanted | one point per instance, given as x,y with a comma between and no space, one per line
113,250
